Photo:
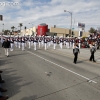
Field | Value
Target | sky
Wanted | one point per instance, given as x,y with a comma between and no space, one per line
34,12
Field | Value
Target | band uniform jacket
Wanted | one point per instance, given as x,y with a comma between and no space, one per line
6,44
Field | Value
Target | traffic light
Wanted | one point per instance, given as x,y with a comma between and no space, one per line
1,17
72,33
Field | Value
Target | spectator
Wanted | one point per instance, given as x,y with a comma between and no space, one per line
2,89
6,46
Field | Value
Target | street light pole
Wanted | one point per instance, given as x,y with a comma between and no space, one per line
3,27
32,27
71,21
19,30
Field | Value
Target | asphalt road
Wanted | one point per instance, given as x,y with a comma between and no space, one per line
50,75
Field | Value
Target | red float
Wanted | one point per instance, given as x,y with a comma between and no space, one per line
42,29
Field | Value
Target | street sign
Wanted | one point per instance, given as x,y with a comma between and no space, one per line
81,25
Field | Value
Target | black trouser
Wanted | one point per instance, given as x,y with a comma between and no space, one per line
75,57
92,56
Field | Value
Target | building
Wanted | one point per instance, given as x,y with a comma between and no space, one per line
65,32
53,31
28,31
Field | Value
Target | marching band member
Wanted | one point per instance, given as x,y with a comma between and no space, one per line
42,42
35,41
45,43
61,42
64,41
79,41
67,43
39,41
73,42
29,43
32,41
16,42
54,43
19,43
70,43
11,44
23,43
49,41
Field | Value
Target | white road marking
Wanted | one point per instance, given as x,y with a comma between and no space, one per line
62,67
46,72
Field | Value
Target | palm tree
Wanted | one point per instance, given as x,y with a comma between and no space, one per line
20,25
12,28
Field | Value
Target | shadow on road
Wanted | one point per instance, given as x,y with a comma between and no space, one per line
4,61
30,98
17,54
13,83
83,61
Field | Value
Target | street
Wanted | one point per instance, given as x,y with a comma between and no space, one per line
50,74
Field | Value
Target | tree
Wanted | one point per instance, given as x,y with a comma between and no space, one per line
6,32
20,25
92,30
12,28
